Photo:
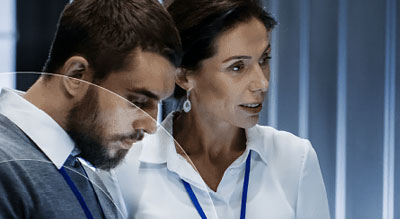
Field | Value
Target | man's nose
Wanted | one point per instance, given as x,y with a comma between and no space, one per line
146,121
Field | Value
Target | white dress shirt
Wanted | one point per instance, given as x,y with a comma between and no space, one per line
47,134
285,179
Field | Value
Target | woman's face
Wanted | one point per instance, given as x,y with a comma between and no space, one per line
231,86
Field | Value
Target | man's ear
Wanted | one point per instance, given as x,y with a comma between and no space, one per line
184,79
77,72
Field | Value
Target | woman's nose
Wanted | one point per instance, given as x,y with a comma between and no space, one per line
259,81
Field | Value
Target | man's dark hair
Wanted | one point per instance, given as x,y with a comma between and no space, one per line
201,22
105,32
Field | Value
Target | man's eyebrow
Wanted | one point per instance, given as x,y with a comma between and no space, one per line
145,93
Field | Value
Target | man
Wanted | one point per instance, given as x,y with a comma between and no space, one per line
69,125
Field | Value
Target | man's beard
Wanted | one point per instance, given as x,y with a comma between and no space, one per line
85,129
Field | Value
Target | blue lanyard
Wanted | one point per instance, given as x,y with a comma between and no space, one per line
76,192
244,193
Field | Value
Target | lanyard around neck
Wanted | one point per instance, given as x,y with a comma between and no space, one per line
74,189
76,192
244,192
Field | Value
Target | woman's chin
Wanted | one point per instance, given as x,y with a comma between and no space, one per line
249,122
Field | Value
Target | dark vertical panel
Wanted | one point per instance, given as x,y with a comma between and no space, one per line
397,145
389,116
397,119
36,25
304,67
341,121
366,52
288,88
323,77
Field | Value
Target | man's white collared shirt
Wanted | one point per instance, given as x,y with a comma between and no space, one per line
285,179
47,134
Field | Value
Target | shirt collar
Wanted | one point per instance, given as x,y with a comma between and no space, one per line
47,134
258,141
160,148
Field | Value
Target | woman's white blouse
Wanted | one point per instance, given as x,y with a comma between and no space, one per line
285,180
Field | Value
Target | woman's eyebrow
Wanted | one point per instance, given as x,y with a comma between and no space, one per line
244,56
268,48
236,57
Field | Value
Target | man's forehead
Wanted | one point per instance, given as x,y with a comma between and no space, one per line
157,90
147,59
146,73
153,85
154,73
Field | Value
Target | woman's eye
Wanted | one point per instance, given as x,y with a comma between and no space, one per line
264,61
237,67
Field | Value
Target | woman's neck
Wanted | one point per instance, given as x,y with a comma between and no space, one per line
205,136
212,146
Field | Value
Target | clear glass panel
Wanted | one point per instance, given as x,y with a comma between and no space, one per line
122,162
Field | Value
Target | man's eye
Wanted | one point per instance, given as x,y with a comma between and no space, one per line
136,102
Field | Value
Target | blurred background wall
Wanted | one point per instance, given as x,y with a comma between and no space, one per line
334,81
7,42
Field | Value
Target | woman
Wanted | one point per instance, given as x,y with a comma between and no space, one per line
222,164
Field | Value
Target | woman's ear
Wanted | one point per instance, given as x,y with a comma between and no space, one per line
184,78
77,72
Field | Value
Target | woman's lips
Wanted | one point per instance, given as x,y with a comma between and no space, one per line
252,108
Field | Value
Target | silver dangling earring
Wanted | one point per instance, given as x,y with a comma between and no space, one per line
187,106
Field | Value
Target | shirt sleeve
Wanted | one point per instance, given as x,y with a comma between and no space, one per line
312,202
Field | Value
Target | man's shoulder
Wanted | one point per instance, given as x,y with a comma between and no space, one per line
9,130
14,143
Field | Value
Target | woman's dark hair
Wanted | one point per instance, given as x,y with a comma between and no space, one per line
106,32
201,22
